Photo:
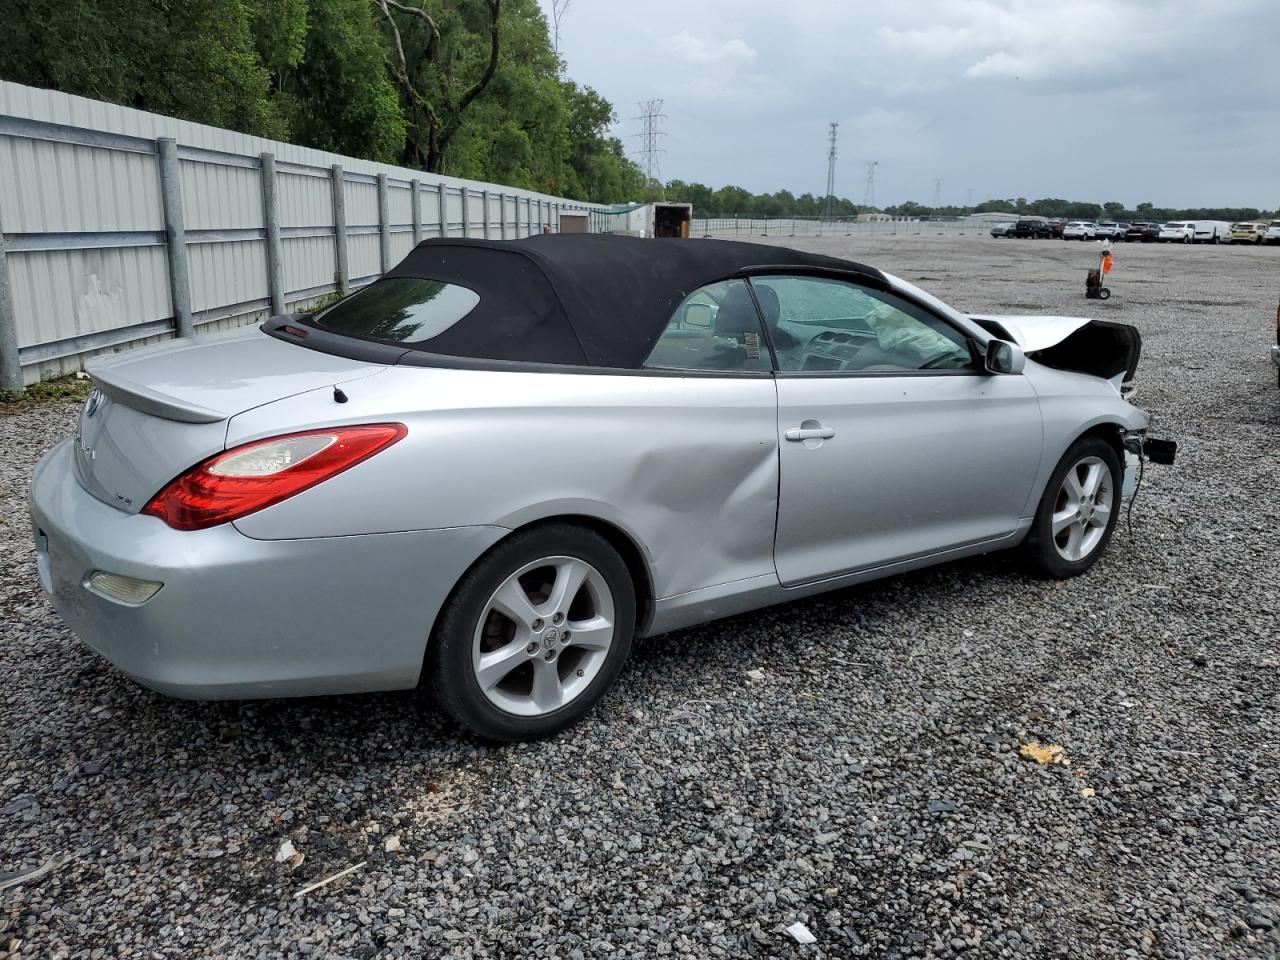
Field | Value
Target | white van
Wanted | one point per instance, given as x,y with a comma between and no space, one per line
1211,231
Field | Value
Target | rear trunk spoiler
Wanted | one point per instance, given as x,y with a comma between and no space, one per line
133,394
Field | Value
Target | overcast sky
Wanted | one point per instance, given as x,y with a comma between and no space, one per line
1172,101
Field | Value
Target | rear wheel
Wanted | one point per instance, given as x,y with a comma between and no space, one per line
1078,511
534,634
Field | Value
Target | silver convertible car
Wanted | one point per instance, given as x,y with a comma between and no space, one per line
489,470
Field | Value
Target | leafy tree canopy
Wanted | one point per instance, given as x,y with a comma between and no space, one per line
328,74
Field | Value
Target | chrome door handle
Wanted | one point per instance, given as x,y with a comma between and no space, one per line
809,433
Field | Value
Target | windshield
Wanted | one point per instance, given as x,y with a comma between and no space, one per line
400,310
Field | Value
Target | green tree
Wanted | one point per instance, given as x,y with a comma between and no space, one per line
441,60
194,59
337,95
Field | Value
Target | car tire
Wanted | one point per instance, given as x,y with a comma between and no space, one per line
1077,545
543,681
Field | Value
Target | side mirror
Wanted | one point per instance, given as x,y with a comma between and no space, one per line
1004,357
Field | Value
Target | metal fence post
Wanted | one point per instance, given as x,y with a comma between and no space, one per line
443,193
342,268
415,202
10,368
517,218
384,224
466,212
484,200
271,214
502,216
175,236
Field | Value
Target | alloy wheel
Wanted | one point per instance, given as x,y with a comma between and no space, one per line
544,635
1083,509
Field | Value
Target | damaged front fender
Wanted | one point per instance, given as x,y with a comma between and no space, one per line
1098,348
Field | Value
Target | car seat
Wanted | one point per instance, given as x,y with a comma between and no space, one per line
771,307
738,327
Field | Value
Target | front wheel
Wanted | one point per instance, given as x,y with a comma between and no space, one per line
1078,511
534,634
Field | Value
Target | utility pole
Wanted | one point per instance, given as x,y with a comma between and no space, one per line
937,194
869,193
831,174
651,117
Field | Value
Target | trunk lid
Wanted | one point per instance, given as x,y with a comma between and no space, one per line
154,412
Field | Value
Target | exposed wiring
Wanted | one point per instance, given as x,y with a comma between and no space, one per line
1128,517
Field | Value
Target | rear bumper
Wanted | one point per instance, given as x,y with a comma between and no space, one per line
244,618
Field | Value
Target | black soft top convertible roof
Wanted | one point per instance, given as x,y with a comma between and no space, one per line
580,299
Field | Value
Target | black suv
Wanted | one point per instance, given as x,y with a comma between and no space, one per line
1035,227
1144,232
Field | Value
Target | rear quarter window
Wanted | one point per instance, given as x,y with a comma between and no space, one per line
399,310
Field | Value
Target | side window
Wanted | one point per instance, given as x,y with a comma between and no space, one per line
715,328
818,324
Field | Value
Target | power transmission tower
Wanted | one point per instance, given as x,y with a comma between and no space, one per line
831,174
869,194
650,118
937,194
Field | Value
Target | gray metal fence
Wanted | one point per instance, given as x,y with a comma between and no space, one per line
785,227
119,227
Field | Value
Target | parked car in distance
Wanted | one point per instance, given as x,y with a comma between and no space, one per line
1002,229
1058,225
327,504
1035,227
1248,232
1111,230
1080,230
1211,231
1142,232
1177,231
1273,233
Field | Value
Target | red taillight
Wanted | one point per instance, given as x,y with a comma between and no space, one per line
258,474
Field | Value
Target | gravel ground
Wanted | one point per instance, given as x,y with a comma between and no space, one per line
868,783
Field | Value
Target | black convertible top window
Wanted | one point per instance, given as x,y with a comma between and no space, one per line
579,299
400,310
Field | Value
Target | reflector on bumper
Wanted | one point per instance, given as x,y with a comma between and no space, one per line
115,586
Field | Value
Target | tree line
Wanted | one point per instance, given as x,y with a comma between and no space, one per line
734,201
1113,210
470,88
738,202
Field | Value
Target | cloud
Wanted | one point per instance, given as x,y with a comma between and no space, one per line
1001,64
692,49
928,88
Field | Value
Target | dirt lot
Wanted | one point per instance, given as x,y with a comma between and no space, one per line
870,785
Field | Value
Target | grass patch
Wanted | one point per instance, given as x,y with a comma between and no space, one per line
61,390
